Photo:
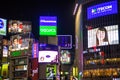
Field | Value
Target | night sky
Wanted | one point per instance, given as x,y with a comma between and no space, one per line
31,10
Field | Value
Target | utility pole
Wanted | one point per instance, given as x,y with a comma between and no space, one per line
59,62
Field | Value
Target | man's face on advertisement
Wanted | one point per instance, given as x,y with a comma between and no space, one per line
15,41
15,25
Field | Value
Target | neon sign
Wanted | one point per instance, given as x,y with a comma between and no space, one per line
48,26
103,9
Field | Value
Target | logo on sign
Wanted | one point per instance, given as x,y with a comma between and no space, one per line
106,8
1,24
101,9
48,30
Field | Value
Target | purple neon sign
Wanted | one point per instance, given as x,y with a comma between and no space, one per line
48,21
103,9
35,50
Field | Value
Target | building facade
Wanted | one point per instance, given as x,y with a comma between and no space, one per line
98,59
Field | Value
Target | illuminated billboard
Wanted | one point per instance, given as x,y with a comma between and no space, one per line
16,26
65,41
102,9
48,56
3,25
48,26
51,70
65,57
35,50
4,71
5,51
101,36
19,42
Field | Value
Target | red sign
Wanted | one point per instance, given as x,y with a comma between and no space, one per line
34,69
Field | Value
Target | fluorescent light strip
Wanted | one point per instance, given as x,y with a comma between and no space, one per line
75,8
46,21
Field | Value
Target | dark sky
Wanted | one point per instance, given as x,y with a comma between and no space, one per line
31,10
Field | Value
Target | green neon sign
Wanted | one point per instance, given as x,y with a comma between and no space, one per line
48,30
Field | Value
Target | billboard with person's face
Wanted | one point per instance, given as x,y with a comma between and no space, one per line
102,36
16,26
50,71
19,42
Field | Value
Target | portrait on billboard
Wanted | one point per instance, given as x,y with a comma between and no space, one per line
65,56
50,71
15,42
16,26
101,36
19,42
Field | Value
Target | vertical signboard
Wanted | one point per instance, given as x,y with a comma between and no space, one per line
35,50
50,71
34,69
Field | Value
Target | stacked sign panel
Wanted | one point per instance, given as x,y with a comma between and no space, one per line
48,26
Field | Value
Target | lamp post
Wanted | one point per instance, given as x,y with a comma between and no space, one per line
59,63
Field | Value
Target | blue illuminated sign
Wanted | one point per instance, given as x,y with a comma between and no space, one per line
3,25
48,47
35,50
103,9
48,21
65,41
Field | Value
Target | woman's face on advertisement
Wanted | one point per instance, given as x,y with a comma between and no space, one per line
100,35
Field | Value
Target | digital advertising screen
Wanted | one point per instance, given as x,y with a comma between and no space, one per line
5,51
48,56
19,42
48,26
65,41
102,36
3,26
51,70
65,56
16,26
106,8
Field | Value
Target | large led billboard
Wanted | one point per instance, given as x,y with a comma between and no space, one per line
102,36
48,56
48,26
102,9
3,25
16,26
19,42
65,41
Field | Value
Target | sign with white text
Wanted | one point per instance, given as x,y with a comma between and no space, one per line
48,26
103,9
